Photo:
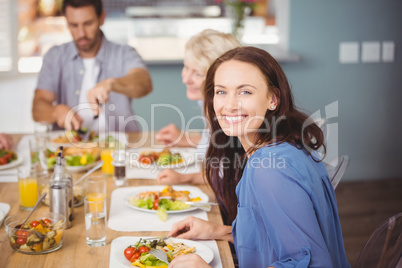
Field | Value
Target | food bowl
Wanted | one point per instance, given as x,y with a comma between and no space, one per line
40,234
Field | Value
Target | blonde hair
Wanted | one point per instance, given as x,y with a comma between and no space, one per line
202,49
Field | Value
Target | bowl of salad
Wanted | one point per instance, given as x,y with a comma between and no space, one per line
40,234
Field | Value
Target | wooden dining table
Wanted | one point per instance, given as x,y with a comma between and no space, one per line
74,251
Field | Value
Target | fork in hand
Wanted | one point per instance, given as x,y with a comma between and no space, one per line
159,254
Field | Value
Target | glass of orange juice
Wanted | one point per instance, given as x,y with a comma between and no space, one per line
106,157
95,186
27,188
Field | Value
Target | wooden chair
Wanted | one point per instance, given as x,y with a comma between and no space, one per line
384,247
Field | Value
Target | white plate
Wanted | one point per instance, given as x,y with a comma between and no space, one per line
12,164
75,169
54,135
188,159
194,192
4,209
121,243
120,136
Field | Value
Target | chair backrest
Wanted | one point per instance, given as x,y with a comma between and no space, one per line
337,168
384,247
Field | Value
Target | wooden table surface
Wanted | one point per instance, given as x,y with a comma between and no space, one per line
75,252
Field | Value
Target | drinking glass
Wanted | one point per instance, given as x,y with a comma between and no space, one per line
95,186
41,130
27,187
106,157
95,220
43,179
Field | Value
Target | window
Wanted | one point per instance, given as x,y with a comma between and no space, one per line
38,25
6,51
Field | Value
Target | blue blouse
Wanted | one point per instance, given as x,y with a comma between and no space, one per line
287,214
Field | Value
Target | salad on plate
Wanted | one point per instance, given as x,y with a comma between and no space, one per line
7,156
75,156
164,201
163,158
138,254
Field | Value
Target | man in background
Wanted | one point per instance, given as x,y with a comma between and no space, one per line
78,77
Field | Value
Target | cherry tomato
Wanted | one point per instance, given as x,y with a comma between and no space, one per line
21,240
146,160
77,138
129,252
136,256
3,160
143,249
34,223
22,233
47,221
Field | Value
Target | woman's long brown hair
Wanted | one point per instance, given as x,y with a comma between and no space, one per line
225,157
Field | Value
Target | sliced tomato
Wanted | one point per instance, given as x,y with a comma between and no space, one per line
47,221
156,205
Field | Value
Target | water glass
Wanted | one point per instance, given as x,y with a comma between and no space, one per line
95,186
41,130
27,188
95,220
39,155
43,179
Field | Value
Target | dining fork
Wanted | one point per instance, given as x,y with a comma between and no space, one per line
158,238
159,254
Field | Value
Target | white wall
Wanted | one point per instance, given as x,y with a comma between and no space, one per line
16,96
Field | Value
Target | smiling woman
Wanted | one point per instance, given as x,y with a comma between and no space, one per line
263,165
241,100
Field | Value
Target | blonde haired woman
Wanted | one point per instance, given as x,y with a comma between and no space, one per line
200,51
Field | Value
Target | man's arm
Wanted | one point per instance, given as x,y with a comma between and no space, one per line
43,110
136,84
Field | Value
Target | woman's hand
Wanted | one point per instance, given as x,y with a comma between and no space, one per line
6,142
188,260
170,135
195,228
170,177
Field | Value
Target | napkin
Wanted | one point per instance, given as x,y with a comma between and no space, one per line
151,173
135,170
215,263
126,219
8,175
22,150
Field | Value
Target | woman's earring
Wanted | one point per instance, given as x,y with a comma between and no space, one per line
272,107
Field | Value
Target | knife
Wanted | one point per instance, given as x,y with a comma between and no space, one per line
95,119
86,136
